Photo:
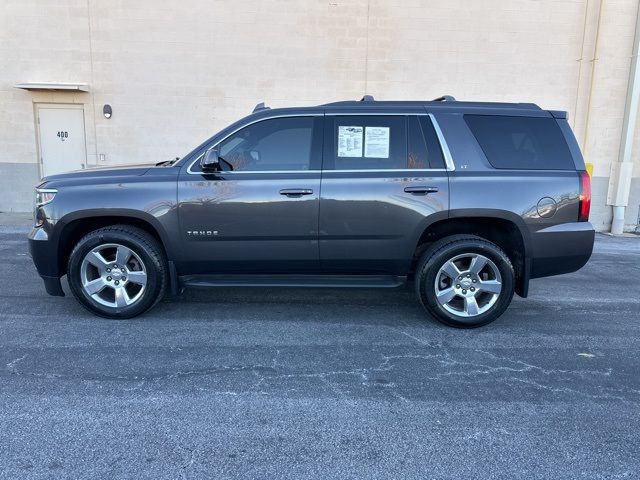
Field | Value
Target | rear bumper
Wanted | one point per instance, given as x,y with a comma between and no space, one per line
45,258
562,248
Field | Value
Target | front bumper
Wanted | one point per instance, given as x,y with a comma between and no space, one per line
562,248
45,257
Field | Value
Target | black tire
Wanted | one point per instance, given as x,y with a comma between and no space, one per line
438,254
148,252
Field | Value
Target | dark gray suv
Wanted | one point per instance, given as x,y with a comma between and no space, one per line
467,200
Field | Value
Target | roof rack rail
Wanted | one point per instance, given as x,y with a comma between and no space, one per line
260,106
367,98
445,98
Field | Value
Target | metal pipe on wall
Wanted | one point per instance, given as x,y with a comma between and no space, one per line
620,184
584,132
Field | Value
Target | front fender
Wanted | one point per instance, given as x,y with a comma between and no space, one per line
159,225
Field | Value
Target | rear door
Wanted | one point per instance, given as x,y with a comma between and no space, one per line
259,215
384,179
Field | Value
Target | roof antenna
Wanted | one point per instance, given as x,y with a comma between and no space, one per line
445,98
259,107
367,98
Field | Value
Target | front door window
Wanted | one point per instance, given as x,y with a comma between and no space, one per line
278,144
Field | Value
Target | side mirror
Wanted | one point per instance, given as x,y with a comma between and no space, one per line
210,161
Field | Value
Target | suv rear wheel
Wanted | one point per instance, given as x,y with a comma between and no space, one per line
117,271
465,281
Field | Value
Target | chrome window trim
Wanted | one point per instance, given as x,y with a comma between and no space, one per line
443,145
363,170
239,172
372,114
190,172
448,159
380,170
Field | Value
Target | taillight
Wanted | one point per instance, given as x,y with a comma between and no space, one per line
585,197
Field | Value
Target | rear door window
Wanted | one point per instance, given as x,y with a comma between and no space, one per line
424,147
370,142
528,143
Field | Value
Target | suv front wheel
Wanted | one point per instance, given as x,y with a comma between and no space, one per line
465,281
117,271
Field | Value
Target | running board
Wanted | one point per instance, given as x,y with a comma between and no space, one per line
304,281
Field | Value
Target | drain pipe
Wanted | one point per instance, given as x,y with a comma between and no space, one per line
621,171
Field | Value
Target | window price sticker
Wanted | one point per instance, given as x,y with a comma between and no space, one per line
349,141
376,142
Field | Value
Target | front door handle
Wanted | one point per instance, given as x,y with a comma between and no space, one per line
420,190
296,192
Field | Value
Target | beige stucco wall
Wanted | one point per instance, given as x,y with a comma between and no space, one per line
176,73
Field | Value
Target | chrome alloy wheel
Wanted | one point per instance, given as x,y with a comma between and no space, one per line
468,285
113,275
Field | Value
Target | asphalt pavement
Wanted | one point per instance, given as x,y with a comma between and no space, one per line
301,383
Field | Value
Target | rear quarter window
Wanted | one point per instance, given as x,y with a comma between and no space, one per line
527,143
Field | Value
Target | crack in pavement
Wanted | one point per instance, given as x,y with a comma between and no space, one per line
12,364
447,366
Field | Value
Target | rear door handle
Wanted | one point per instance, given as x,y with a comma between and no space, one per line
296,192
420,190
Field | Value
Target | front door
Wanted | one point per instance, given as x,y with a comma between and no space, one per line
61,138
260,213
384,179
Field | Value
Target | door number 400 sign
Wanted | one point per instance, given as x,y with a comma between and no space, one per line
62,135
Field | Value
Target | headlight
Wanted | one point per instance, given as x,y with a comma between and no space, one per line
43,196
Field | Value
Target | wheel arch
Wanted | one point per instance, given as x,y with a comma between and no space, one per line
72,227
504,228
